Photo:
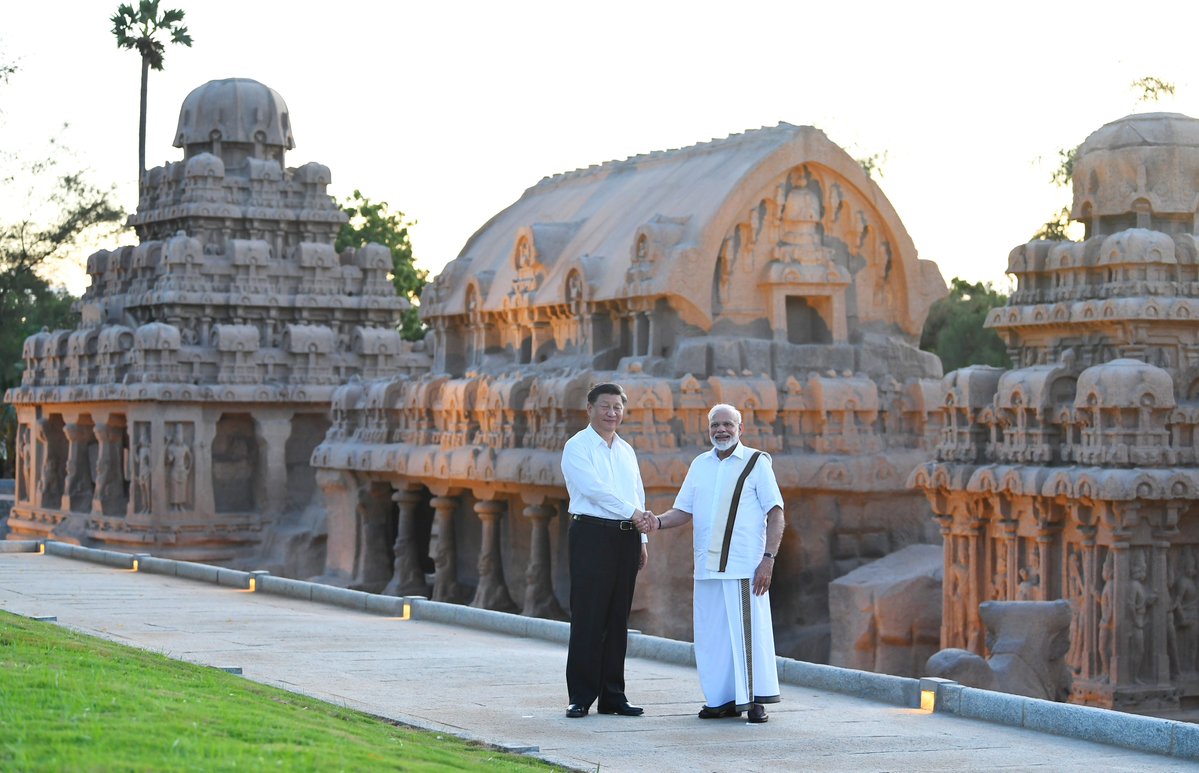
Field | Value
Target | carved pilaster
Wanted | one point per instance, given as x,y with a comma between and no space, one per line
80,484
492,592
445,551
110,498
539,587
408,579
273,433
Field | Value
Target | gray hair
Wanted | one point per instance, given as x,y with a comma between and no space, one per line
725,407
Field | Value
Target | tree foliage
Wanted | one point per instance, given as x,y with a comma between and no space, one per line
954,329
872,165
57,213
375,222
1151,88
142,29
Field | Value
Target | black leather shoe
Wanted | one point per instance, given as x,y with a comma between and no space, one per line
575,711
624,710
757,714
719,712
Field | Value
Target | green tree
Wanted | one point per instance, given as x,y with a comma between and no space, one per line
954,329
375,222
141,29
58,213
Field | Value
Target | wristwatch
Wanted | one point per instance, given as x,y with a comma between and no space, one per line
768,554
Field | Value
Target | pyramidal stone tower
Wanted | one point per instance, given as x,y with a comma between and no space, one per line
1074,475
180,415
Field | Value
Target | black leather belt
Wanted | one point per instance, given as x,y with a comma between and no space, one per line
611,523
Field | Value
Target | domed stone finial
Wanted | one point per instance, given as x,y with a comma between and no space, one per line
1138,172
233,119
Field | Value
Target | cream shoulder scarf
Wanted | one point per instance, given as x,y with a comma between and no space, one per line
726,516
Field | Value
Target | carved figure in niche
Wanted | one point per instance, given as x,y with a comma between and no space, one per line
959,589
1185,608
524,256
143,473
1030,578
1076,589
179,467
52,464
1107,618
24,463
999,578
800,238
1140,598
1027,641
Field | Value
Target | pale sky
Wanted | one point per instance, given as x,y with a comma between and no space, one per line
450,110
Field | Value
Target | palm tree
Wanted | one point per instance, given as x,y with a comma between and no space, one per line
140,29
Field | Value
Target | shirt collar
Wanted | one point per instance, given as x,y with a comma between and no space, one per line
598,439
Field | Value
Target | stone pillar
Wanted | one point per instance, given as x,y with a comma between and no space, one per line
341,545
109,498
445,552
1089,614
408,579
492,592
80,486
539,586
273,432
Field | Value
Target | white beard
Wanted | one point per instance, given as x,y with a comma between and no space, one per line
724,445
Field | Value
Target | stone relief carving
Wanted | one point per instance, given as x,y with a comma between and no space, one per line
180,464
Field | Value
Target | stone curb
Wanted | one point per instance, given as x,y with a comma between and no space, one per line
1087,723
20,546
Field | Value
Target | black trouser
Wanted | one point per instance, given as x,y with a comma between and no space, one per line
603,575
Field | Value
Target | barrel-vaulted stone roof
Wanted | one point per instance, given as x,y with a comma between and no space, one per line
683,207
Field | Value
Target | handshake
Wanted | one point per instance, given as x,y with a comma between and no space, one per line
645,521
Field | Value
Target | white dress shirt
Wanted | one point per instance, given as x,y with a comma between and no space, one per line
603,481
700,493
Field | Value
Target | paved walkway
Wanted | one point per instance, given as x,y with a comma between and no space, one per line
510,691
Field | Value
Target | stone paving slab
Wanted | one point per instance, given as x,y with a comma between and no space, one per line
510,691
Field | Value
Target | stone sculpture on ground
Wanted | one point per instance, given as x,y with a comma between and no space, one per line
886,616
179,416
1027,642
1074,475
764,270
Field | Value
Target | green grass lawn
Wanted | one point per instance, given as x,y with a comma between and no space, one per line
78,703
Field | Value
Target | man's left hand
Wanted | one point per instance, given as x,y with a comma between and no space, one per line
762,576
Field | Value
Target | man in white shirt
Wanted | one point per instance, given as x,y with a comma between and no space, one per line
735,547
606,552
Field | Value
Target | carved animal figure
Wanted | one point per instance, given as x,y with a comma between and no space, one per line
1028,641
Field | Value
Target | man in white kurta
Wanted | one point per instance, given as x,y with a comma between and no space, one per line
734,563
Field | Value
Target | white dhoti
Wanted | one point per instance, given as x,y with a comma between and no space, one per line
734,644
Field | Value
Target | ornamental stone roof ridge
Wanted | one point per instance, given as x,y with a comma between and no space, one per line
674,154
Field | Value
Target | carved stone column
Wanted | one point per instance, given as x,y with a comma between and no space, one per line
445,552
337,491
80,486
273,432
110,478
492,592
408,579
539,586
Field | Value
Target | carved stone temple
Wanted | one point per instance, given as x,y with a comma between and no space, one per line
179,417
764,270
1075,475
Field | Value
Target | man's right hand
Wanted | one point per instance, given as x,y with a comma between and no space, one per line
645,521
